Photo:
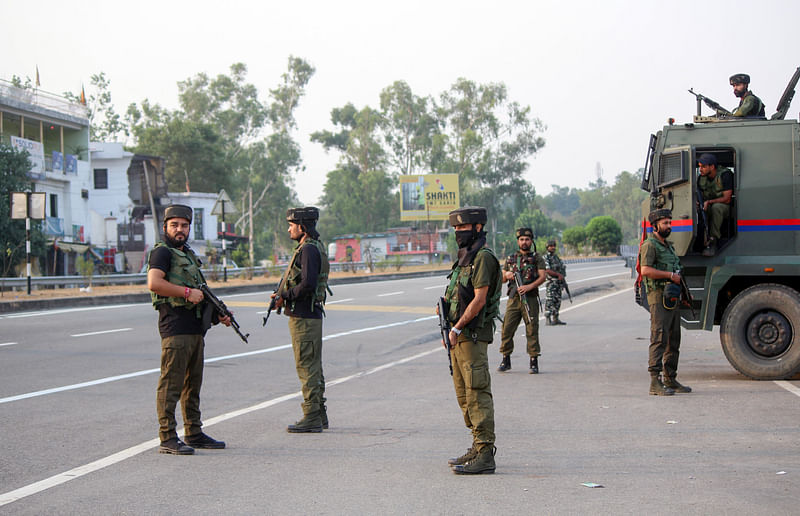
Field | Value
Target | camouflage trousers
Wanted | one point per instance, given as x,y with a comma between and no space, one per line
181,378
665,336
307,346
473,386
552,303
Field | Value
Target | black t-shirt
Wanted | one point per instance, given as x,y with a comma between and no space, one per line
726,178
173,320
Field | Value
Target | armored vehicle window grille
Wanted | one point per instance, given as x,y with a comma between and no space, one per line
670,169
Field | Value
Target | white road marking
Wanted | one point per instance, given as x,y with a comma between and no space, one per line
101,332
61,478
338,301
68,310
391,294
435,286
788,386
8,344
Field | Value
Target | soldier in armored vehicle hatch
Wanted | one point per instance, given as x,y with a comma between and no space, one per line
716,186
749,105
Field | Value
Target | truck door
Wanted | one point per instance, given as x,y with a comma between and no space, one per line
674,181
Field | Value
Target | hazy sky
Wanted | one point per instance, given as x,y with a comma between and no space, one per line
601,76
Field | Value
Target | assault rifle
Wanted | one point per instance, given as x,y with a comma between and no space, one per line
444,328
702,213
686,295
272,303
522,297
221,309
566,289
710,103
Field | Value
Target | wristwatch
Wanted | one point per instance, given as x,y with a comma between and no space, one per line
455,330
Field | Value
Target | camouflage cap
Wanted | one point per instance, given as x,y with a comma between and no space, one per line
657,215
551,242
521,232
298,215
178,210
468,215
739,78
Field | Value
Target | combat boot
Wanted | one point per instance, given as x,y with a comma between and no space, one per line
505,365
311,423
557,321
482,463
471,454
672,383
711,248
534,365
323,415
659,389
548,321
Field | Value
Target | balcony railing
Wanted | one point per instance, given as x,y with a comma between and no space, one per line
42,99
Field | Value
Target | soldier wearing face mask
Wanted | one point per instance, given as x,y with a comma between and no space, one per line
661,270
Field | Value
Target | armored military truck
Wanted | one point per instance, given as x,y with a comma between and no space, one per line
750,287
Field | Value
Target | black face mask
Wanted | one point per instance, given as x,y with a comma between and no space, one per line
465,238
664,233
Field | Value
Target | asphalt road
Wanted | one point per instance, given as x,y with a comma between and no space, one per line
78,424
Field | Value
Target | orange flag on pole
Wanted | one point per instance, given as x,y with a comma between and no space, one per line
83,96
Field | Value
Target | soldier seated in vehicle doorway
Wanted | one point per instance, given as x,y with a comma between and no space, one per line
716,188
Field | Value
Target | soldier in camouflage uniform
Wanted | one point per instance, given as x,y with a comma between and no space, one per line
660,267
717,189
303,293
473,300
173,278
556,270
531,268
749,105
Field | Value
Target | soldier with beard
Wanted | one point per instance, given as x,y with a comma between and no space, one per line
473,299
531,267
173,278
749,105
661,270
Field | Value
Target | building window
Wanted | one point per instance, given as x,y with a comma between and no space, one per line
198,224
101,179
53,205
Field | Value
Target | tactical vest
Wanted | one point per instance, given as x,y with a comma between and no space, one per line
184,270
460,293
759,108
295,273
711,188
666,260
554,263
525,264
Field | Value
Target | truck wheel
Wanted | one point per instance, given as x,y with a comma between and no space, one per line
760,332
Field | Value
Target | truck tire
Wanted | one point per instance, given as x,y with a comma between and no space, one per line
760,332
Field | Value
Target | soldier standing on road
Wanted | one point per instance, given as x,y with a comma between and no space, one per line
531,267
749,105
473,297
661,270
173,278
303,295
556,270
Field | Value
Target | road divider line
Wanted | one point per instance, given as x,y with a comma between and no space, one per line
61,478
435,286
391,294
102,332
256,352
8,344
788,386
338,301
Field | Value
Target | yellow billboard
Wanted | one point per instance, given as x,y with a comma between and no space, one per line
428,196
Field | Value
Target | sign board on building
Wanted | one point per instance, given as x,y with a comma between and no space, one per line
35,151
428,196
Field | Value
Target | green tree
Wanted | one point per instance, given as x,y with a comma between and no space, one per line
563,201
14,168
409,128
574,238
625,200
604,233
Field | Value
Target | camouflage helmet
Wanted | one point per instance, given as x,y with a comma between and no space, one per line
178,211
300,215
657,215
552,242
740,78
468,215
528,232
